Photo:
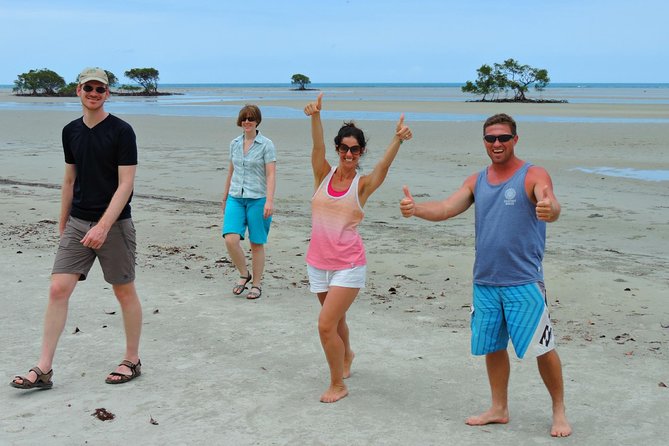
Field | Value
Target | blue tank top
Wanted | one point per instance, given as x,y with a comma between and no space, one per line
510,239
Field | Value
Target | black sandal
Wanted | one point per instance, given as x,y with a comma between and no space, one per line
239,288
135,369
43,380
254,294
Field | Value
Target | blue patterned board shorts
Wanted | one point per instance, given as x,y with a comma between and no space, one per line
516,312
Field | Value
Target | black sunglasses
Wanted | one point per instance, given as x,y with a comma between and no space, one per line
501,138
248,118
89,88
343,148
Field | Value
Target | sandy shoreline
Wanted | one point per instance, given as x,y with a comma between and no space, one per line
236,372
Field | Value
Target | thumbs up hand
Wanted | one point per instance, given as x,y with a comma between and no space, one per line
314,107
402,131
545,208
407,204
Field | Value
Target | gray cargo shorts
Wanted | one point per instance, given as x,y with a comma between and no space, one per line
116,256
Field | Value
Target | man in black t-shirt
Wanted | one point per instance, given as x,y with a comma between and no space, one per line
95,222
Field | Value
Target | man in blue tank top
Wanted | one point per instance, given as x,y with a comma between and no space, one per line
514,201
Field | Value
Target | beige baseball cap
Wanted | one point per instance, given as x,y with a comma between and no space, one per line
93,74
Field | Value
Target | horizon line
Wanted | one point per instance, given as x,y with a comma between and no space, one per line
448,84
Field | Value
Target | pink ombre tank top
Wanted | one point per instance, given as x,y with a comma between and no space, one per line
335,243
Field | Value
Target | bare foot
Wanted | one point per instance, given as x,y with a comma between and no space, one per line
348,360
561,427
491,416
334,393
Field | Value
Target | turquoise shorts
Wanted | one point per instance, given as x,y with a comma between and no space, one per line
246,213
516,312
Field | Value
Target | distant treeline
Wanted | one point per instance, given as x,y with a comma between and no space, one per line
493,83
45,82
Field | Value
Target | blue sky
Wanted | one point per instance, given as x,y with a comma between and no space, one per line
257,41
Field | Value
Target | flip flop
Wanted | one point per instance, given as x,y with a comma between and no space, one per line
239,288
254,294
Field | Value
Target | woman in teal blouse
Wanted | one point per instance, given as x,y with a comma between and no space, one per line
248,199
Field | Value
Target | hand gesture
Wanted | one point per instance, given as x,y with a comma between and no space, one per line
402,131
95,237
407,204
314,107
545,209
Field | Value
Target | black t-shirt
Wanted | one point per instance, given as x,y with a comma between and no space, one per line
97,153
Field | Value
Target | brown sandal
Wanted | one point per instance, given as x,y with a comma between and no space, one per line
135,369
43,380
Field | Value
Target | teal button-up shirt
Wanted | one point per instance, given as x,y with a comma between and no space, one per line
249,178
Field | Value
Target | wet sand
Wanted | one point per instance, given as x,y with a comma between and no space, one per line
224,369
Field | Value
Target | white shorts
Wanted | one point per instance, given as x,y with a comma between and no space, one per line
320,280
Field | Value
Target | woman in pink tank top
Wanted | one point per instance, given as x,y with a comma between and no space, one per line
336,255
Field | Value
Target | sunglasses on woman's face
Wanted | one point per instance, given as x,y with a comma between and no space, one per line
89,88
249,118
343,148
501,138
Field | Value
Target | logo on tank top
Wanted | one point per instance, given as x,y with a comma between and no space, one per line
510,196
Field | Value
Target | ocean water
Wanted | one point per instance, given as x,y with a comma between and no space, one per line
212,100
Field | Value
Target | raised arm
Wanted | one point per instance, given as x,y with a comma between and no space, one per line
369,183
454,205
319,164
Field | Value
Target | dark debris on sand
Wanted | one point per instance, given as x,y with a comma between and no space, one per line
103,414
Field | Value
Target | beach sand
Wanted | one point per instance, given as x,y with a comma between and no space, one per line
223,370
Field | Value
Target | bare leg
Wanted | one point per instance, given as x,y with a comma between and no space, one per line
335,304
234,246
342,330
258,262
126,294
550,369
499,369
62,286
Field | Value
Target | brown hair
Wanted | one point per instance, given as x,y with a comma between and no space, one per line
500,118
249,111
